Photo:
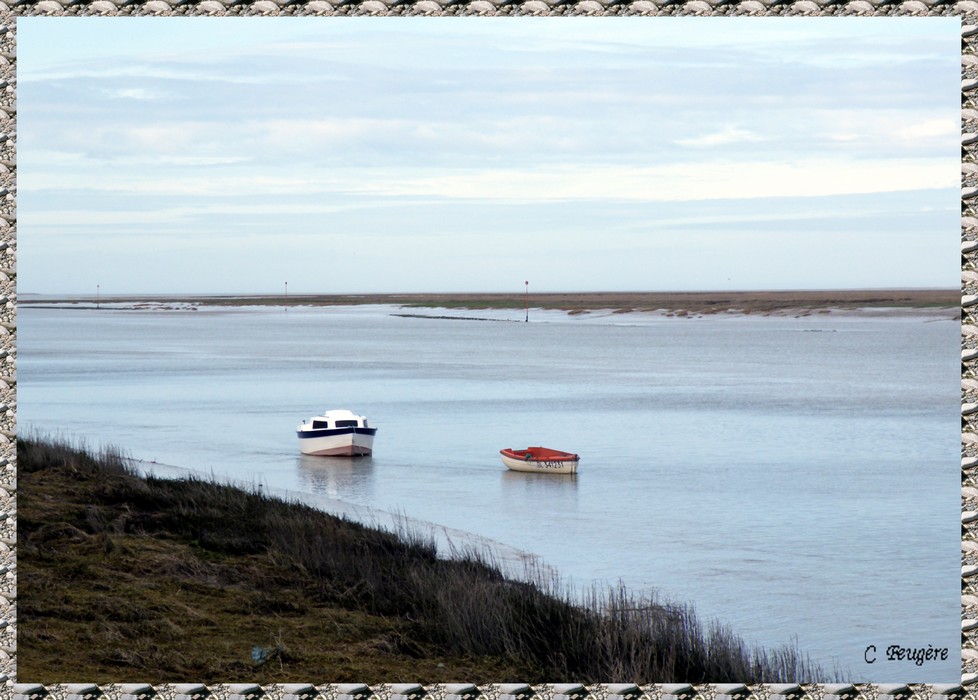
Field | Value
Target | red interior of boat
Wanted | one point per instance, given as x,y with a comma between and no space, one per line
539,453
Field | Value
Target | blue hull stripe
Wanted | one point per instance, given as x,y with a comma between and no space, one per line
303,434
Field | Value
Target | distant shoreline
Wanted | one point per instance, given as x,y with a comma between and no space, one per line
679,303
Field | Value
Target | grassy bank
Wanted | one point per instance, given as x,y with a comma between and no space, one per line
123,578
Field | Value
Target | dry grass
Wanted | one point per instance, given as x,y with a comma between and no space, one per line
125,578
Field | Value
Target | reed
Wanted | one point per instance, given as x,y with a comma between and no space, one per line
237,559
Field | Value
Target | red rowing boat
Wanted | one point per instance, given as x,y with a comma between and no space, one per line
540,459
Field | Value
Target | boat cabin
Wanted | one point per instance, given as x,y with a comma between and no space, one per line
331,420
318,423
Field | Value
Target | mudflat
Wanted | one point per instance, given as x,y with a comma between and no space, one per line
748,302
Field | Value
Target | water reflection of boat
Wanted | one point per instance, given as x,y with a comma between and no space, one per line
337,477
557,484
540,459
336,432
527,491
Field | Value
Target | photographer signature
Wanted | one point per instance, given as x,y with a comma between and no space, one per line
918,655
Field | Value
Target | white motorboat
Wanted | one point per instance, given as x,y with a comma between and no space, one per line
336,432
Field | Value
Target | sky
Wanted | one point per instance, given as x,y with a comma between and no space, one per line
385,155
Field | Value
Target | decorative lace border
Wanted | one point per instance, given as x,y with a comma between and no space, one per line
967,10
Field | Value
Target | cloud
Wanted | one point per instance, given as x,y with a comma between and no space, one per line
141,94
701,180
904,132
153,214
681,182
720,138
929,129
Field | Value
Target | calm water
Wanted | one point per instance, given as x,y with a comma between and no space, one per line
795,478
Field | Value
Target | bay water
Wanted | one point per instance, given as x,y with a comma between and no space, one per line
795,478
